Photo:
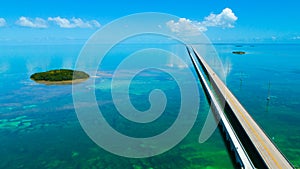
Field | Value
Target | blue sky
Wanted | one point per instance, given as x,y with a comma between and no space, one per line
253,20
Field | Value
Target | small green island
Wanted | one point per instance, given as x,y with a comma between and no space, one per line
60,76
239,52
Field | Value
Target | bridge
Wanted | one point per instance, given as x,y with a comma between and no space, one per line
252,148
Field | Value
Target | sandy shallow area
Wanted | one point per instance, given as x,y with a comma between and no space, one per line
65,82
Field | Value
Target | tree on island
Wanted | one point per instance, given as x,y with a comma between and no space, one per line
60,75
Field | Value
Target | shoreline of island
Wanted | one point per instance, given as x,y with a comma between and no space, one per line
65,82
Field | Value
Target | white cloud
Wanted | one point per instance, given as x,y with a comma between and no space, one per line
225,19
2,22
186,27
33,23
95,23
74,23
62,22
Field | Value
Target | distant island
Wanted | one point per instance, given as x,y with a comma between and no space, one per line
60,76
239,52
239,46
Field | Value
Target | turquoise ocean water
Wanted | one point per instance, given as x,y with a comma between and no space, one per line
39,127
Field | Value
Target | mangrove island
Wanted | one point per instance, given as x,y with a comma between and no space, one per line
239,52
60,76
